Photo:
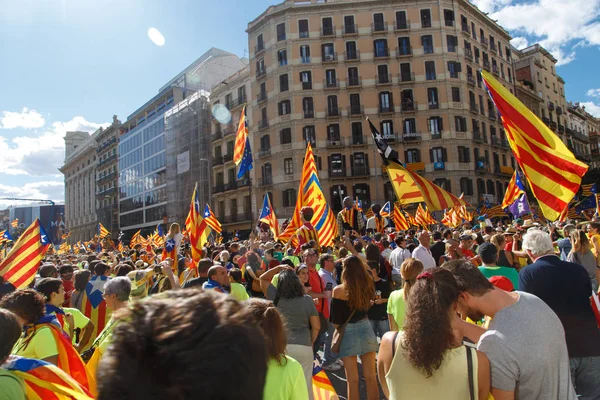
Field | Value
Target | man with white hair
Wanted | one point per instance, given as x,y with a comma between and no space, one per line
422,252
566,288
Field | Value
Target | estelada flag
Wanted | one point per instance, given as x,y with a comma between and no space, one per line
94,306
45,381
552,171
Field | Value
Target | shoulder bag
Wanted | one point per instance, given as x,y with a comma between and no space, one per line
338,335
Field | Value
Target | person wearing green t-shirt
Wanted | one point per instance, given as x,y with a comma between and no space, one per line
238,291
11,386
396,305
489,255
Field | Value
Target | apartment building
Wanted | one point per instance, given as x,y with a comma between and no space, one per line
79,171
317,69
233,200
595,151
577,132
107,177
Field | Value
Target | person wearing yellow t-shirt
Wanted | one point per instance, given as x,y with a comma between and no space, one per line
238,291
12,387
73,322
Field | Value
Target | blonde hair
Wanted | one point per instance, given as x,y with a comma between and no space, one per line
409,270
174,225
497,240
580,242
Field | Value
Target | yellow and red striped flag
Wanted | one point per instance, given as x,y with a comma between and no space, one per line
267,215
311,194
120,247
420,217
553,173
135,239
399,220
102,231
22,262
211,220
196,226
514,190
321,385
15,223
240,138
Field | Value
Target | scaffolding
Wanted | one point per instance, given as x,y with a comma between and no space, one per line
187,136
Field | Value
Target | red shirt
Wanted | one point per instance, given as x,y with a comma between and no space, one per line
317,285
467,253
69,288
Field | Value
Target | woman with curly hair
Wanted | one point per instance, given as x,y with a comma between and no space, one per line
427,360
351,301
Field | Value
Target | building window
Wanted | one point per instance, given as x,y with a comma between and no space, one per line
432,98
357,133
454,68
456,94
355,107
283,83
349,26
466,186
306,79
327,26
438,154
351,52
284,107
382,74
427,42
426,18
436,125
285,136
460,124
401,22
362,193
308,134
260,66
265,143
405,72
449,17
385,102
464,154
260,43
337,165
333,133
452,42
404,47
412,155
305,54
282,57
332,105
378,23
289,197
387,129
241,94
303,28
380,48
410,126
430,70
327,52
288,166
308,107
359,163
280,32
330,78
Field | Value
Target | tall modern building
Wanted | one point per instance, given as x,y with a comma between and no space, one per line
144,156
79,170
107,177
232,199
317,69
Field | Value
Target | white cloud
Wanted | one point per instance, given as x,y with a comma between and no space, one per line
519,42
52,190
557,26
27,119
156,37
592,108
593,93
40,155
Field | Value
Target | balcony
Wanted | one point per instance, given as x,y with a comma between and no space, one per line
328,31
380,27
106,145
465,29
358,140
350,56
356,111
493,48
231,186
340,173
360,170
471,79
484,41
353,81
492,115
329,58
107,177
504,144
309,113
216,136
261,73
259,48
379,54
217,160
550,106
228,157
263,124
335,143
436,135
401,25
406,77
482,166
107,160
486,65
408,106
495,70
469,54
478,137
495,141
433,105
261,97
332,112
559,110
262,153
229,132
561,128
411,137
403,51
473,107
331,84
265,181
506,171
546,120
553,125
439,166
219,188
350,30
386,108
384,79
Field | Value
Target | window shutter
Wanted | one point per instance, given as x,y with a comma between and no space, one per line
440,123
352,163
419,155
444,154
448,185
329,164
366,155
406,155
431,155
461,154
343,163
458,66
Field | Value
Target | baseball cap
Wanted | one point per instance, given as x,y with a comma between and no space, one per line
502,282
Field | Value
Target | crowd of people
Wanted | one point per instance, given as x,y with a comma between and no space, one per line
502,311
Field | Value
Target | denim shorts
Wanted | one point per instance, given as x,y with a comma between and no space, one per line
358,339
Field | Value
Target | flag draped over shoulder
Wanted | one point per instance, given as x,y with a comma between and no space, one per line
45,381
311,194
211,219
267,215
197,228
22,262
553,173
514,190
93,304
409,186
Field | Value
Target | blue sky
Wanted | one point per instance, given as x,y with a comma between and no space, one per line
72,64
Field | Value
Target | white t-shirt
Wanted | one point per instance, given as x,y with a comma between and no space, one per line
397,257
423,254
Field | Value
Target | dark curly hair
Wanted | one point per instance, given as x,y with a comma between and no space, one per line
10,332
289,285
178,344
427,327
27,304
